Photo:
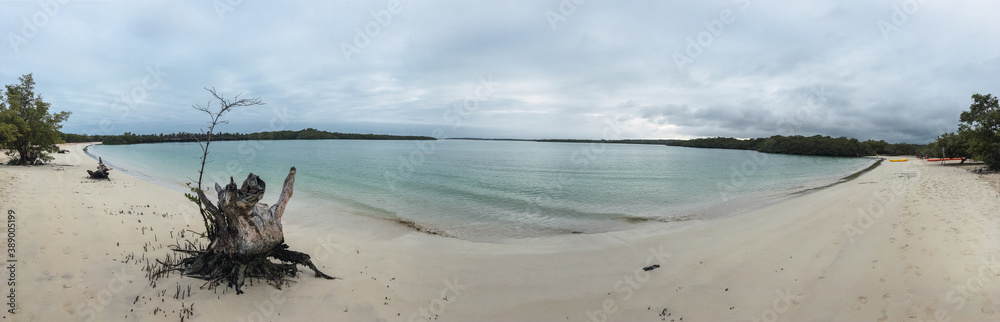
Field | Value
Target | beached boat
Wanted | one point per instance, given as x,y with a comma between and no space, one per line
946,159
898,160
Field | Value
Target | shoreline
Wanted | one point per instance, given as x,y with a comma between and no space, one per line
133,173
725,205
891,246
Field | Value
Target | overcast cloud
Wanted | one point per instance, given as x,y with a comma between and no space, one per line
895,70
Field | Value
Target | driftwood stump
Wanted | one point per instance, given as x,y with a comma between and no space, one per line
102,171
244,235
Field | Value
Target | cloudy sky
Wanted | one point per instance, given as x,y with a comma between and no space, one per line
895,70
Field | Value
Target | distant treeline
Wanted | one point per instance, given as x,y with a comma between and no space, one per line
801,145
306,134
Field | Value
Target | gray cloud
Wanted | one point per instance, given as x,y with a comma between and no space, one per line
883,72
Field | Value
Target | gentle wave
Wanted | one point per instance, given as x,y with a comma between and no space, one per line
489,190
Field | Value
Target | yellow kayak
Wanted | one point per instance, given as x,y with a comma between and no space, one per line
899,160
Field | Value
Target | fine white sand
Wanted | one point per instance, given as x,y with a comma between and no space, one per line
907,241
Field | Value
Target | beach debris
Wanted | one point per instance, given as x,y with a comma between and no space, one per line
102,171
651,267
244,235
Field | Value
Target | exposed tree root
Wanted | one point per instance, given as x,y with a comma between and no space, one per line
217,268
244,236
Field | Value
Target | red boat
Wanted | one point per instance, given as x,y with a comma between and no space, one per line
946,159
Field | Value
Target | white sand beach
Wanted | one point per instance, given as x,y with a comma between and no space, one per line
907,241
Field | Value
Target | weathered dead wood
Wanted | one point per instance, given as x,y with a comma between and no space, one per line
248,234
102,170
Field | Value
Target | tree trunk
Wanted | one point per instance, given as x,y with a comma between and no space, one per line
245,227
102,171
28,156
246,234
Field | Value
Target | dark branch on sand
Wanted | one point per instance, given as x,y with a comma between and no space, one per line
102,171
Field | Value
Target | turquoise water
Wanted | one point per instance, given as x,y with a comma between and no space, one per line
487,190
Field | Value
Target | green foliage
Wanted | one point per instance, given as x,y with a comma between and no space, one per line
719,143
882,147
306,134
27,130
8,132
814,145
193,196
78,138
980,129
950,145
801,145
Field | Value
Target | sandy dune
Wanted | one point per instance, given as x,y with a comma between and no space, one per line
906,241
